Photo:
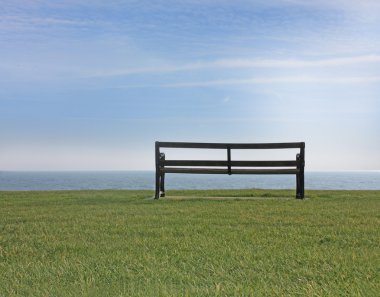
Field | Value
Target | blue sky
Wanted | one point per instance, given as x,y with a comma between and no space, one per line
90,85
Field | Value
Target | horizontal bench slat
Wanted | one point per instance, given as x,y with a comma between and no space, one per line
264,171
225,171
283,145
279,163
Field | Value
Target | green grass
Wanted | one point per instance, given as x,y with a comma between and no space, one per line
123,243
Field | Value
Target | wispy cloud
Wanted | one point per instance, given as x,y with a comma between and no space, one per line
22,23
243,63
264,80
279,80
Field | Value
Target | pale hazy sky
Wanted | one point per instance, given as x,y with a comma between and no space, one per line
90,85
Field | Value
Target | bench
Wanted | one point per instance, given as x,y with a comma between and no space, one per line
229,166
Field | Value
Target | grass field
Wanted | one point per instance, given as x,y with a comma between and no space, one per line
193,243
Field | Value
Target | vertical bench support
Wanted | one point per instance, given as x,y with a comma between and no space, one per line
302,171
229,160
157,159
162,176
300,177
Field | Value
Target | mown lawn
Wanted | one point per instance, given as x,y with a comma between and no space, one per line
252,243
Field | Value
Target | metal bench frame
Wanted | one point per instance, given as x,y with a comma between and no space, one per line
229,166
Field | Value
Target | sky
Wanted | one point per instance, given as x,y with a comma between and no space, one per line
91,85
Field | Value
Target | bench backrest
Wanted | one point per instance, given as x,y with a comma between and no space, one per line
173,166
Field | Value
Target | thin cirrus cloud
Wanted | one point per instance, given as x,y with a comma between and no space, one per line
17,23
242,63
284,79
265,80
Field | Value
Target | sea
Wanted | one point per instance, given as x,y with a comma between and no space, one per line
145,180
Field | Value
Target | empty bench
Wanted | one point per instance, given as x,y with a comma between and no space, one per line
228,166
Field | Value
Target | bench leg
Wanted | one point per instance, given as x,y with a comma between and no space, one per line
300,186
162,185
157,193
298,182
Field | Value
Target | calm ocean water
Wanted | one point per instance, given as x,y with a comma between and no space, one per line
139,180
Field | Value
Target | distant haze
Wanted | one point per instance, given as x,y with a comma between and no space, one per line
90,85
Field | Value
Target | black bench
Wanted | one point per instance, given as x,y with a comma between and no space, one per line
228,166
